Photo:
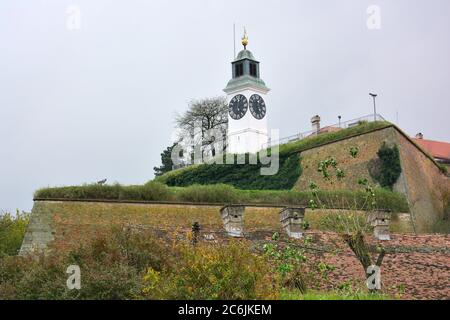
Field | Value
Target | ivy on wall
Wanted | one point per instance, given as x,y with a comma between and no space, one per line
245,176
389,166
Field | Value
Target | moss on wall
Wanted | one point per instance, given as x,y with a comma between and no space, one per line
355,168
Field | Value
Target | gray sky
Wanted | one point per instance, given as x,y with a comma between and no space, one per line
77,106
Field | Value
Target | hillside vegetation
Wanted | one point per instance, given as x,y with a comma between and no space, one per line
247,176
12,231
223,194
124,265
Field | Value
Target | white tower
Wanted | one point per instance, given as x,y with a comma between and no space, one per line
247,101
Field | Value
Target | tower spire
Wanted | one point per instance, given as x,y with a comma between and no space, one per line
245,39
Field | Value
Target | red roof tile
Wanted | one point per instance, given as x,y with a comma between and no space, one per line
437,149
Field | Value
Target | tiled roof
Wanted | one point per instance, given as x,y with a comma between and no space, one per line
437,149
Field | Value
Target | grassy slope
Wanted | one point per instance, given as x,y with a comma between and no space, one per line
248,177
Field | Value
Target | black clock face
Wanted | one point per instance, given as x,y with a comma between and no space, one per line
238,107
257,106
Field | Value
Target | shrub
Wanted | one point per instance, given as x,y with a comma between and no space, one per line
112,267
390,168
125,264
242,176
214,272
12,231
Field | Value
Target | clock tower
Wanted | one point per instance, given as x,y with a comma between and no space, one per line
247,104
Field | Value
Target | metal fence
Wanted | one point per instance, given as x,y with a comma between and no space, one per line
341,125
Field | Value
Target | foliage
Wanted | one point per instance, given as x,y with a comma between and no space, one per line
151,191
354,151
154,191
348,222
247,176
167,163
352,226
12,231
219,193
390,169
111,266
126,264
289,263
130,264
208,117
214,272
242,176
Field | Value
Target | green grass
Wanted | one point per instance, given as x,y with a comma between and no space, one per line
221,193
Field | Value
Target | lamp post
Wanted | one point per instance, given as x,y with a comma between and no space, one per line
373,95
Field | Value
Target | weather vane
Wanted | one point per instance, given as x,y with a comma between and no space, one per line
245,40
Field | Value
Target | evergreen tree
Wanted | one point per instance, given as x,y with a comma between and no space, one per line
166,160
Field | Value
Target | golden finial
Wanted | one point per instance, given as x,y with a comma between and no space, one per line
245,40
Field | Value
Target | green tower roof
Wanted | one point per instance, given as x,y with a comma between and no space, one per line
245,54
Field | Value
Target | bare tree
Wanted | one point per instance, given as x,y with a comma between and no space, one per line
203,117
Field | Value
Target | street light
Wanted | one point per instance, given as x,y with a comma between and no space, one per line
373,95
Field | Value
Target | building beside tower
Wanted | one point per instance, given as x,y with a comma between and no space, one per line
247,104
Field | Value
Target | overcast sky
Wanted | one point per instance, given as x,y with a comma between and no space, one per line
79,105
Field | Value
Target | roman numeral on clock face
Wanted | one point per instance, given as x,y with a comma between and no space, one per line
257,107
237,107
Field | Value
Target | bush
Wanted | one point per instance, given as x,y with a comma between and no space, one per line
225,272
390,169
130,265
112,267
12,231
242,176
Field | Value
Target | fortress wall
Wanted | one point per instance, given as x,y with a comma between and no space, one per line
64,224
354,168
421,180
426,186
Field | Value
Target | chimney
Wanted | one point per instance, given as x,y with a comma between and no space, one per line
315,121
419,136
